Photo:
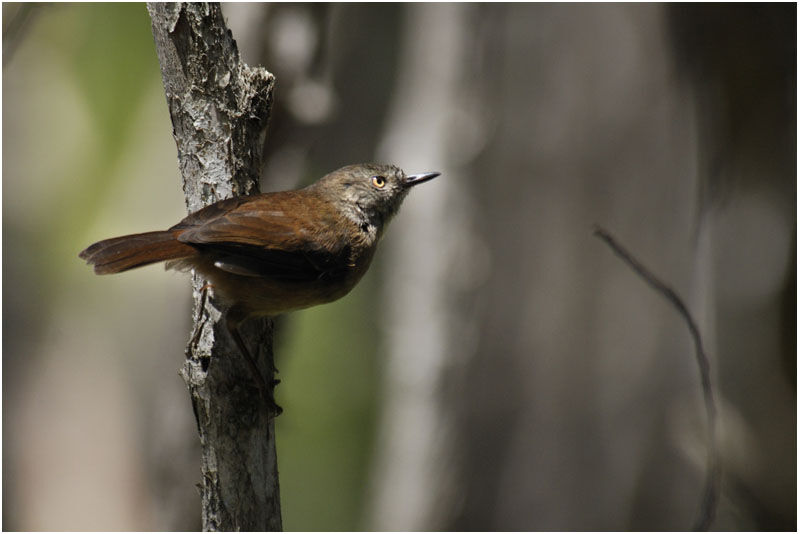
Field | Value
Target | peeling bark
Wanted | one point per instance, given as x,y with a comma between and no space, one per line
220,108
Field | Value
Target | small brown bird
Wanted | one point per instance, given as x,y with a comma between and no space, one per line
274,252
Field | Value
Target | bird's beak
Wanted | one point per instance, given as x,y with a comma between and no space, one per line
416,179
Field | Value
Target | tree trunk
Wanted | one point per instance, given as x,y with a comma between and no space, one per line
220,108
417,470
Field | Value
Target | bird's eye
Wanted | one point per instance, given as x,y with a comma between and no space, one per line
379,181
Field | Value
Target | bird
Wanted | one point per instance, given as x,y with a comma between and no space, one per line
276,252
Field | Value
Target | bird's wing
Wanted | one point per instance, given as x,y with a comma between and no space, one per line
273,235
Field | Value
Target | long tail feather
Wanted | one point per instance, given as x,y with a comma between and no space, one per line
127,252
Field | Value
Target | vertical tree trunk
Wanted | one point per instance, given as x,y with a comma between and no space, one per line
416,470
220,108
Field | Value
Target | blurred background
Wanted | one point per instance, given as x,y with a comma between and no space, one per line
498,368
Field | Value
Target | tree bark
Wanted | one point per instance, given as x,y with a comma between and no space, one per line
220,108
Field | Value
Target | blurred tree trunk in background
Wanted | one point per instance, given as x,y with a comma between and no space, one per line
578,365
414,465
542,437
579,406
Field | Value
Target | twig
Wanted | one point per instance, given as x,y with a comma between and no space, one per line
708,506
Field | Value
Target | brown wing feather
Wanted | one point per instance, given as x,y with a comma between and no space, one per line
211,212
273,235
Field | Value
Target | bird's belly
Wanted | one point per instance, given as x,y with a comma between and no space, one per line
269,297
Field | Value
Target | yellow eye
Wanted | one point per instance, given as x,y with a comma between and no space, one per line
379,181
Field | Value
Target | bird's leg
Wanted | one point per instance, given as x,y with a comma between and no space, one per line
232,322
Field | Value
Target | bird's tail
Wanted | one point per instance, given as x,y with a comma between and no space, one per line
129,251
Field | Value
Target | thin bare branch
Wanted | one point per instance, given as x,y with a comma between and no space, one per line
708,506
